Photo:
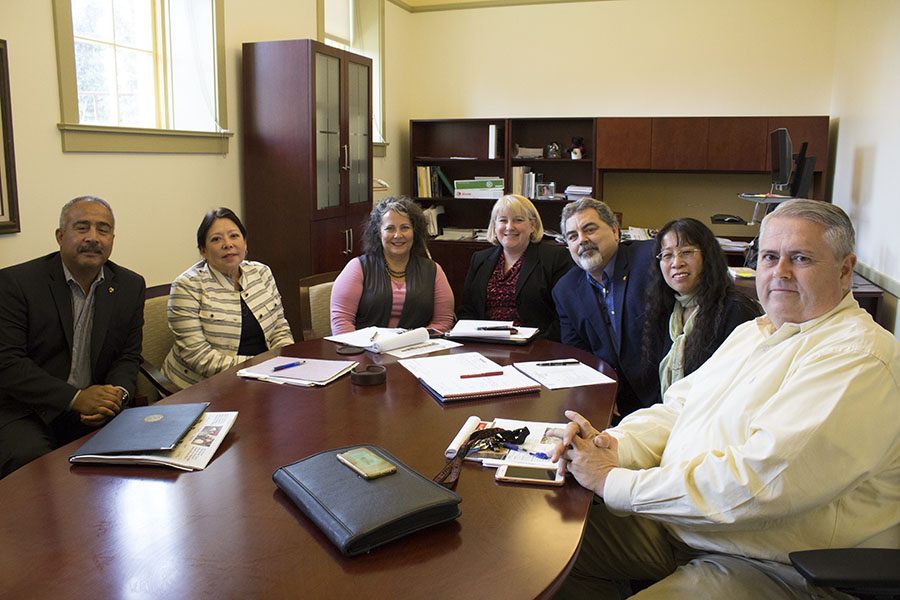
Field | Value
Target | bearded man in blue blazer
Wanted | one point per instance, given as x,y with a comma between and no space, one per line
601,305
70,337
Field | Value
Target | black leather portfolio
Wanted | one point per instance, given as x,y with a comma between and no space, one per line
358,514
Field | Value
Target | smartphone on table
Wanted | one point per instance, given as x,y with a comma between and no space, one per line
366,463
533,475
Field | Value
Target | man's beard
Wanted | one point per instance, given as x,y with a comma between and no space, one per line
590,262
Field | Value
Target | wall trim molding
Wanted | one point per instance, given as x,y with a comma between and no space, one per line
888,284
413,6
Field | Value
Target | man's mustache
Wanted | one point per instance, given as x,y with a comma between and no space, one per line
90,247
585,246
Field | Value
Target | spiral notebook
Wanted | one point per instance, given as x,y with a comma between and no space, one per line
468,376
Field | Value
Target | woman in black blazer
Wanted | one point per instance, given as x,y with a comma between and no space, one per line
512,281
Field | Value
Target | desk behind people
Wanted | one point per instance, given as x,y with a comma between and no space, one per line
226,531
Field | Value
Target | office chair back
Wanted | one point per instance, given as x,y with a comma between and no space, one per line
158,340
315,305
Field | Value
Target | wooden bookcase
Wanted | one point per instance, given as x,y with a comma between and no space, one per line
459,147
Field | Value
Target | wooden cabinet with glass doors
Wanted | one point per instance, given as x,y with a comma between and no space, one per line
307,158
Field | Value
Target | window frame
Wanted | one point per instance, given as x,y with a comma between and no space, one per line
379,146
77,137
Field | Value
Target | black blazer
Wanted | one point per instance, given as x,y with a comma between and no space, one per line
584,326
542,266
36,329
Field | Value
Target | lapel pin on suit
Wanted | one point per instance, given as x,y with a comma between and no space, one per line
110,289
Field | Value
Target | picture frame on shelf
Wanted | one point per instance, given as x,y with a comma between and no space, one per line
544,191
9,200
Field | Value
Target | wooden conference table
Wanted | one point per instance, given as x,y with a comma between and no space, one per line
227,532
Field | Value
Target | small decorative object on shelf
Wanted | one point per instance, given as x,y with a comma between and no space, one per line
552,151
523,152
576,150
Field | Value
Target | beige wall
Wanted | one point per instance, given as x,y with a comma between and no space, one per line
629,58
867,155
158,200
624,57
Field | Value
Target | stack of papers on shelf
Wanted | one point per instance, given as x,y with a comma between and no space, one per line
392,341
431,217
454,233
535,451
468,376
636,233
576,192
742,272
731,245
182,436
305,372
500,332
562,373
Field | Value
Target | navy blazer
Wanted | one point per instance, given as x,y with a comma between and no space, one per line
542,266
36,329
583,325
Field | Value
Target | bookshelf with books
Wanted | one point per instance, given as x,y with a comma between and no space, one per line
560,170
445,150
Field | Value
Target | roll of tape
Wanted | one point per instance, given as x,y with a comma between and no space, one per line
371,375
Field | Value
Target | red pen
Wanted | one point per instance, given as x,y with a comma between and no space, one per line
488,374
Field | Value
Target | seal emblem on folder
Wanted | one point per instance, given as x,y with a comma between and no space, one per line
154,418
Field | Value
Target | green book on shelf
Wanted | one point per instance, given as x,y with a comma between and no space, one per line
444,180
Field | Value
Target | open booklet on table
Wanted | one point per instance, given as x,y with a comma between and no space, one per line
396,342
561,373
535,451
305,372
193,452
468,376
496,332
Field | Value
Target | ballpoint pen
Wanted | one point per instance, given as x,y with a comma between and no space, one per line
558,363
296,363
499,328
487,374
541,455
374,335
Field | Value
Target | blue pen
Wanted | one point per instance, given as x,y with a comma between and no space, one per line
296,363
541,455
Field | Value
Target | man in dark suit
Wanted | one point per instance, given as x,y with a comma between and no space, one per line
70,337
601,305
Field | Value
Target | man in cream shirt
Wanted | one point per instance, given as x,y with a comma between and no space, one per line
787,438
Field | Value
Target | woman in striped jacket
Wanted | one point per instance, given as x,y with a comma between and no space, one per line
224,309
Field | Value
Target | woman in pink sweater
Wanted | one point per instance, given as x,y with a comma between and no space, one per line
394,283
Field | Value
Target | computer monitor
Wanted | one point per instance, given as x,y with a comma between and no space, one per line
782,160
803,173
